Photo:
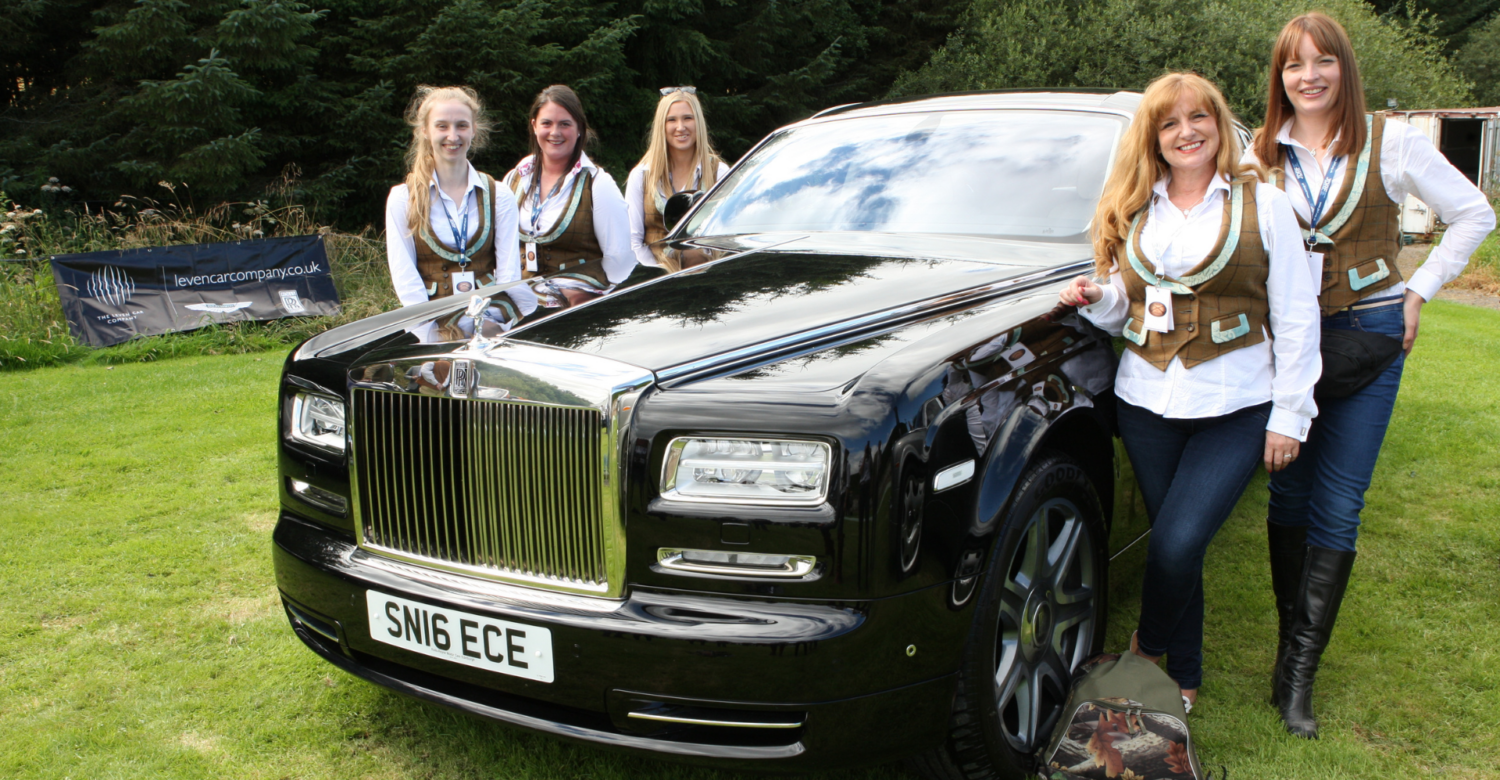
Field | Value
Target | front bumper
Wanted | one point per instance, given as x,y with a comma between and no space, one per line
867,681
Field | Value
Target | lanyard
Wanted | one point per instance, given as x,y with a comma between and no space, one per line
536,209
460,236
1316,208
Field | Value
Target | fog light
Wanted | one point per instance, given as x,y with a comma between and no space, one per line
323,499
737,564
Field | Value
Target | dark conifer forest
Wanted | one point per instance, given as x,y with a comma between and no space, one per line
223,99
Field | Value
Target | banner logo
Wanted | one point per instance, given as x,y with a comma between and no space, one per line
290,303
218,308
111,285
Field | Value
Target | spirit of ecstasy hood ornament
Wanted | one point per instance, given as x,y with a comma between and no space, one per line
475,313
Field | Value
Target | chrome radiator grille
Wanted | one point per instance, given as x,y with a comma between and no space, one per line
505,490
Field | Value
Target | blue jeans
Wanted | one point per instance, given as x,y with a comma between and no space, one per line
1192,472
1324,488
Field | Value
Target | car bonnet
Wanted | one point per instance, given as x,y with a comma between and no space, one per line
778,300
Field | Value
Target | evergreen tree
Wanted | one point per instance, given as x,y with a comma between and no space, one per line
224,96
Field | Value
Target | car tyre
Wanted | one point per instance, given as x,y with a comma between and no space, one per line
1040,615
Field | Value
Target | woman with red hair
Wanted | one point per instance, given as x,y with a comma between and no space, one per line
1346,173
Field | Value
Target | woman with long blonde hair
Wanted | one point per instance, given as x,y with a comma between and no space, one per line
1346,173
447,229
1198,264
678,158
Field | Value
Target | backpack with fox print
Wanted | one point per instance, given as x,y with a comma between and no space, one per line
1124,720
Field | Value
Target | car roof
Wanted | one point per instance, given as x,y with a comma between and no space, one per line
1075,99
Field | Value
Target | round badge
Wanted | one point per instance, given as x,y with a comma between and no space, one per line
1158,309
465,286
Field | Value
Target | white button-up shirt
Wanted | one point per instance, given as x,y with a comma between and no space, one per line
1409,165
1282,370
611,223
401,247
635,204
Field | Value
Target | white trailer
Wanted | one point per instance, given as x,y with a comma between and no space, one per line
1470,139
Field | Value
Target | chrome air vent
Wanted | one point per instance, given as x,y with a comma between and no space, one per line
501,463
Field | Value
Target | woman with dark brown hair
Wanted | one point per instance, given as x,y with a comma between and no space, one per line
1346,173
573,226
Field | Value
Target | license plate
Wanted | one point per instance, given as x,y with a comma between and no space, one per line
461,637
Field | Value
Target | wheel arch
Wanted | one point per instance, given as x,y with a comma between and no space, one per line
1082,433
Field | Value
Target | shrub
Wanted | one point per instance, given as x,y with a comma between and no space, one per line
1479,60
1124,44
1483,271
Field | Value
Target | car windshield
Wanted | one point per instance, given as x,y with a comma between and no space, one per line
1026,174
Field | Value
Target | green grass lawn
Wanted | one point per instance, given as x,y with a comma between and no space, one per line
141,634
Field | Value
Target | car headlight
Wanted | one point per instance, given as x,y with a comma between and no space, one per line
754,471
318,421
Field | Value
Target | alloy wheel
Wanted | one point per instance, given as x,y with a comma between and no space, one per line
1047,621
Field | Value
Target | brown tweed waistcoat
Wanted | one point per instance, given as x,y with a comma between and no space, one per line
436,261
1359,238
656,230
1219,307
569,249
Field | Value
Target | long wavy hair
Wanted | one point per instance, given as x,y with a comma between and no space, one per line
657,159
564,96
420,162
1139,163
1328,37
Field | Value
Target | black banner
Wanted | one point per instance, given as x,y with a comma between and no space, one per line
110,297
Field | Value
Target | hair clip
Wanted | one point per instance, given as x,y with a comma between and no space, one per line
685,90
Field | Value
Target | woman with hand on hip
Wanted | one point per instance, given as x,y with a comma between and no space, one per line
574,229
1204,263
1346,173
448,230
679,158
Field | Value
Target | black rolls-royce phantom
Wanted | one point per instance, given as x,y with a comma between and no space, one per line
838,495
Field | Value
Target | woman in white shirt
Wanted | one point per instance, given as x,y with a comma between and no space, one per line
447,227
1346,174
679,158
1203,264
573,227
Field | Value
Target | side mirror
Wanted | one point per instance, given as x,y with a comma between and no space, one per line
677,205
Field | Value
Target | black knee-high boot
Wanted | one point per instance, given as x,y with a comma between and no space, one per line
1288,553
1324,579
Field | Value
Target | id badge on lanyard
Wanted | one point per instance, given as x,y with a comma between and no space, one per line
1315,208
460,240
1158,309
536,219
1158,298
